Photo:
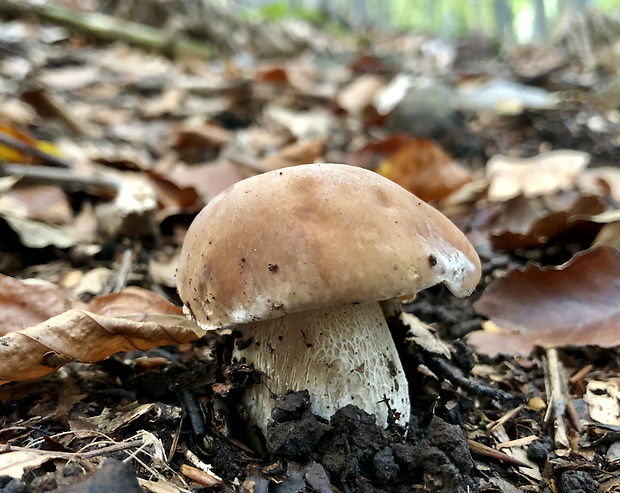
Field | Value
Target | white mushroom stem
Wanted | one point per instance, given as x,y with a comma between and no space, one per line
341,354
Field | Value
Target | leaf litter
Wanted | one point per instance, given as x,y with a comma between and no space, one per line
109,152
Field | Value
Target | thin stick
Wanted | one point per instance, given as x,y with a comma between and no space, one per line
455,376
9,141
64,178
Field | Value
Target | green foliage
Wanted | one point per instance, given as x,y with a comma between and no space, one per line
282,9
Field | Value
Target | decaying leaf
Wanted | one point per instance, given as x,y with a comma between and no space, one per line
131,319
544,174
575,304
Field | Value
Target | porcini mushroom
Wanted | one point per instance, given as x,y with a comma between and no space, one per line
298,260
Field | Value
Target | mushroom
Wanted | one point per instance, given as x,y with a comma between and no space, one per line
298,260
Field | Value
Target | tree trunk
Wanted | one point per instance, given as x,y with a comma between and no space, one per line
541,32
504,21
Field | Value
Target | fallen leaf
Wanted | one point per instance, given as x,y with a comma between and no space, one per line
133,300
304,125
28,302
78,335
425,170
602,399
575,304
45,203
374,153
422,335
271,75
14,464
35,234
529,223
544,174
606,177
200,143
134,318
357,98
207,179
164,271
302,152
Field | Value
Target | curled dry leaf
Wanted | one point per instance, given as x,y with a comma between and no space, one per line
528,223
544,174
575,304
132,319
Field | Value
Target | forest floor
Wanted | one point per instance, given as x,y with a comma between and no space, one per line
107,154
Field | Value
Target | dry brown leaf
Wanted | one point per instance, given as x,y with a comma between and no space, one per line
28,302
272,75
425,170
609,235
132,300
200,142
302,152
78,335
207,179
14,464
173,198
374,153
45,203
605,179
422,335
544,174
134,318
357,98
575,304
528,223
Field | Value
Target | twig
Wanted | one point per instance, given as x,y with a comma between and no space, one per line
110,449
556,396
518,442
192,408
108,28
124,269
64,178
455,376
481,449
14,143
506,417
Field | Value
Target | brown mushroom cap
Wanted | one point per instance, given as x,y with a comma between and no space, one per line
316,235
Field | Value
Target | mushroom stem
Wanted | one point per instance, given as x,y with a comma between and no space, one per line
341,354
